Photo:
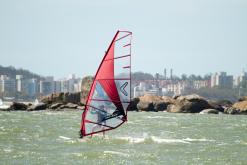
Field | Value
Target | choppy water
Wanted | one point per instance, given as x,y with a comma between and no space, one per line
148,138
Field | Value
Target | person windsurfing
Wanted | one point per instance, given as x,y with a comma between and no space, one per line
113,71
101,118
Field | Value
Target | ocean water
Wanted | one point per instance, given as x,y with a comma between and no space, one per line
47,137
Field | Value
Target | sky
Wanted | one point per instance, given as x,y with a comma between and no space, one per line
60,37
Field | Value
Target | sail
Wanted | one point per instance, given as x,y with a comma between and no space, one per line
109,96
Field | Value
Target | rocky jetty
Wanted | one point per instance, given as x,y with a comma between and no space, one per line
187,104
178,104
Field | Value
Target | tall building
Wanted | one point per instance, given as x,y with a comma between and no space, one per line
171,76
47,85
71,83
222,80
165,73
31,87
242,77
7,85
64,86
57,86
19,83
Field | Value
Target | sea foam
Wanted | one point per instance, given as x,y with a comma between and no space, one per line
116,153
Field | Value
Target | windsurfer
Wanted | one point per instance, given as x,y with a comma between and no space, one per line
101,118
80,134
102,115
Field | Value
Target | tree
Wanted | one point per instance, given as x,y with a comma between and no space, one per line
184,77
243,84
141,76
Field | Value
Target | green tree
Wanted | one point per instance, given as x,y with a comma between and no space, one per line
184,77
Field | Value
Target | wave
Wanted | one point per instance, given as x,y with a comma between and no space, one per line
116,153
2,128
152,139
64,138
155,117
161,140
160,117
198,140
132,139
7,150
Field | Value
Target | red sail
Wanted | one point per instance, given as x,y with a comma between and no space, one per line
109,96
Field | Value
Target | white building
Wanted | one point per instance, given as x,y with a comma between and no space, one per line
140,90
177,88
7,84
222,80
201,84
77,86
64,86
242,77
143,88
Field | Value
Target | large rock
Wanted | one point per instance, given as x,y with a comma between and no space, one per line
5,107
189,104
168,100
71,106
145,106
62,98
55,105
232,111
153,103
18,106
241,106
160,106
53,98
133,104
244,98
220,105
209,111
36,107
192,97
85,88
72,98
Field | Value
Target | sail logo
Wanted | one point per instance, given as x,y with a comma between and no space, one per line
122,88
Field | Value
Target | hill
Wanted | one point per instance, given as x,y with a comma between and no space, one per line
11,72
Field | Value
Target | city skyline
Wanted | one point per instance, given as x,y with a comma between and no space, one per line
169,73
62,37
32,88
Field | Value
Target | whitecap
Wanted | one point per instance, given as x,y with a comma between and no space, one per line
116,153
155,117
7,150
2,128
198,140
132,139
65,138
161,140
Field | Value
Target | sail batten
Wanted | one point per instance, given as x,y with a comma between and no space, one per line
109,96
